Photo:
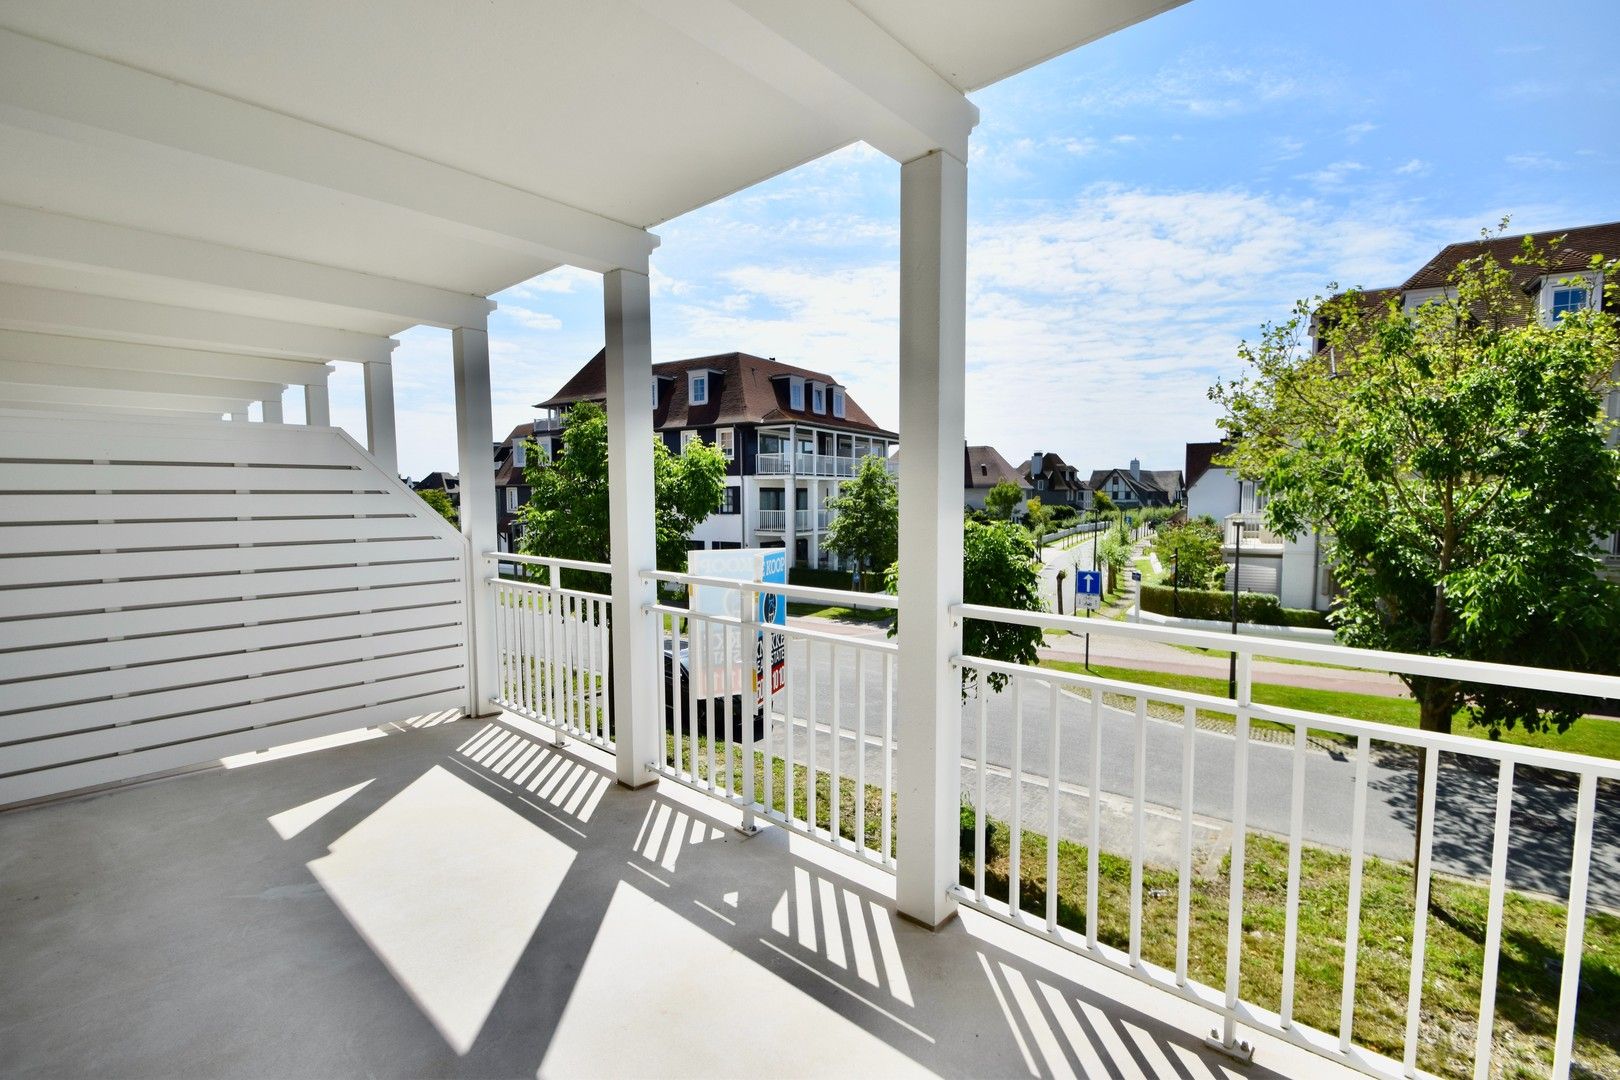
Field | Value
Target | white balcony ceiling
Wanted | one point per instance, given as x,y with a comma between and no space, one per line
367,166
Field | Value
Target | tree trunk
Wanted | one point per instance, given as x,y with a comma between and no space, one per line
1436,703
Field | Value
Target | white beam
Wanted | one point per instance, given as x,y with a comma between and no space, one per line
831,57
933,316
71,351
48,239
380,437
637,664
475,438
317,406
73,397
23,373
122,407
52,311
46,87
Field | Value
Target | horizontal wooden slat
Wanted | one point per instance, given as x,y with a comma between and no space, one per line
125,594
133,439
26,539
170,507
97,625
49,477
41,570
62,719
33,785
41,693
64,659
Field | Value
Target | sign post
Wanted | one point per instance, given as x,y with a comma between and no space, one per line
1088,596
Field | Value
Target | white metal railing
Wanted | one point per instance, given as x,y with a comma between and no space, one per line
1057,696
835,465
773,520
554,661
810,747
771,464
1254,532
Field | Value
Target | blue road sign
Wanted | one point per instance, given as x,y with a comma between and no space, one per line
1088,583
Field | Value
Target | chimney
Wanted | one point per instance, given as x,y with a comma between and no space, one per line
1035,463
1136,469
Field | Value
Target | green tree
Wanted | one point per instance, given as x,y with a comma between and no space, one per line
865,526
1192,550
440,501
1001,500
1038,520
567,512
999,569
1101,504
1114,555
1458,456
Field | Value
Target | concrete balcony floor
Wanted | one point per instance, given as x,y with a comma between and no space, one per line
462,899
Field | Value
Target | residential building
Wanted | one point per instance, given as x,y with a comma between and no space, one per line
984,468
791,437
511,489
1293,569
1055,482
1134,486
447,482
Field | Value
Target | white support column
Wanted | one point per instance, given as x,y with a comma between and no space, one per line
317,405
933,314
270,410
380,439
637,660
790,497
474,441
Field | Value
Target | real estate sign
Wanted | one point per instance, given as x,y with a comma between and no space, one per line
753,565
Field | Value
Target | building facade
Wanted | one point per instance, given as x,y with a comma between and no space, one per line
1134,486
791,437
1055,482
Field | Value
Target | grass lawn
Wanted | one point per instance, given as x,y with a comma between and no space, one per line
1532,948
1592,735
841,614
1532,937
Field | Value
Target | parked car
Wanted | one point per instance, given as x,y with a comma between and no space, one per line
707,706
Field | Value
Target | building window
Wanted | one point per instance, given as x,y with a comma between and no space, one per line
984,470
655,393
511,500
838,402
818,398
728,504
796,394
520,454
726,440
1566,299
698,387
687,437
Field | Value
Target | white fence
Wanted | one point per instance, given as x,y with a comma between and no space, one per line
1086,698
175,591
554,660
826,731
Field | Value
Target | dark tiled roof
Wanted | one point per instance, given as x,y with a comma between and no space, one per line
1055,470
986,468
1200,456
505,473
750,390
1576,251
1160,480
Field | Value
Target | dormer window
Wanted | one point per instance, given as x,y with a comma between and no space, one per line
818,398
1567,299
697,387
1563,294
984,470
838,401
796,393
520,454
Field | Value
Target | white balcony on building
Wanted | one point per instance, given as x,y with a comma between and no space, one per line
295,781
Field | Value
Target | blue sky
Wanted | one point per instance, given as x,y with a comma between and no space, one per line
1137,207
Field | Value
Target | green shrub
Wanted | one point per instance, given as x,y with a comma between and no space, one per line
871,581
1262,609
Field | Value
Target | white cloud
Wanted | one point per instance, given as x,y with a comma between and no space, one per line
1356,132
1334,175
1414,167
533,320
1536,160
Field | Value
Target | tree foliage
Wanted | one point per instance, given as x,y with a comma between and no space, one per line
999,569
1001,500
440,501
1458,457
1192,550
865,526
1101,503
567,512
1038,520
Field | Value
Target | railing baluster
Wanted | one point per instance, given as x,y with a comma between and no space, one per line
711,718
1138,827
1352,919
591,615
605,653
1015,843
983,690
1094,836
571,662
662,692
768,643
1493,920
888,756
1569,983
1296,825
1240,808
1053,794
810,736
720,718
860,749
835,791
1420,910
693,670
1189,730
790,783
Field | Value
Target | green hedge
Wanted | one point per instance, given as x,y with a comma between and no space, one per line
1262,609
834,579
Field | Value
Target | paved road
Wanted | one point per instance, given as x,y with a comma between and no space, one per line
1543,811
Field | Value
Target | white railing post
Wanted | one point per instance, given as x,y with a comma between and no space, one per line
380,437
474,439
638,730
933,312
561,675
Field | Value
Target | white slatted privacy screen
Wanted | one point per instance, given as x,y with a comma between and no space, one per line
174,591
